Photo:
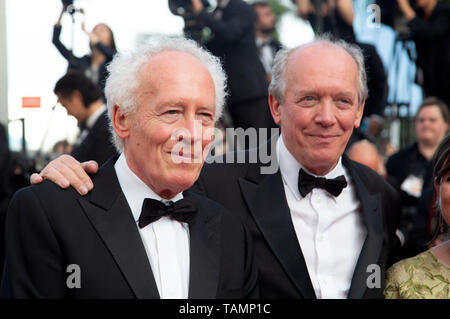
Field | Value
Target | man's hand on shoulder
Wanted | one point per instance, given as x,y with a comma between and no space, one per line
66,171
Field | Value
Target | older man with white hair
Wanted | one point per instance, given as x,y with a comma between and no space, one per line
138,234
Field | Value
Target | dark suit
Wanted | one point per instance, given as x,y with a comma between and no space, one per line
261,203
97,145
233,40
98,233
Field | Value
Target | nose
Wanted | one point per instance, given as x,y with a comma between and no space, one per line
325,113
195,128
190,130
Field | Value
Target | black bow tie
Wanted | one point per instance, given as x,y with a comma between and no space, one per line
183,211
307,182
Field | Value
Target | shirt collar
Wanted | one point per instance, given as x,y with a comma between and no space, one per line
93,118
134,189
261,42
290,168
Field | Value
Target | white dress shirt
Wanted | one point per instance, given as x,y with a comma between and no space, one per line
94,116
330,229
266,54
166,241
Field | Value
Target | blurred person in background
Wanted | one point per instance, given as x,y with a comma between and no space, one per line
266,44
333,16
427,274
410,171
233,41
83,100
430,29
103,48
365,152
336,17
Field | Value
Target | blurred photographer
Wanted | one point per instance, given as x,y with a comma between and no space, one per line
101,42
430,30
332,16
233,40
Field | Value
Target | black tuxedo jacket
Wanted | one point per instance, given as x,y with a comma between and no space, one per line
49,228
97,144
260,201
233,40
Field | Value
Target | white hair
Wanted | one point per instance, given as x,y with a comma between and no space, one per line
277,86
122,82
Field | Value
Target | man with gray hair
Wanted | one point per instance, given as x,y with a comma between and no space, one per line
138,233
323,225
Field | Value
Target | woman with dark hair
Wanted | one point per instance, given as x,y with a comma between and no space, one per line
427,275
103,48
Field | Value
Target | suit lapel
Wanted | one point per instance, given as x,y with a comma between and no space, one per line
268,206
372,217
110,215
204,253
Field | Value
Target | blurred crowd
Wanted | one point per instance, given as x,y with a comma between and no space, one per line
244,36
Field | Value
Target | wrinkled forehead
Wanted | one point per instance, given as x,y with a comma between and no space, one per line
321,53
172,63
321,59
173,70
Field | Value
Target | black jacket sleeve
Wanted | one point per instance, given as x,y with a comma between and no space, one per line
33,255
66,53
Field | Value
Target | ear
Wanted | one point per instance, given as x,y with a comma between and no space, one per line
76,95
275,109
359,114
120,122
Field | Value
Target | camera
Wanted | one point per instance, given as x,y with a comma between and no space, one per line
70,8
192,27
183,7
67,3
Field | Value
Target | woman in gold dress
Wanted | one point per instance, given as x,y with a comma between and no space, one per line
427,275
